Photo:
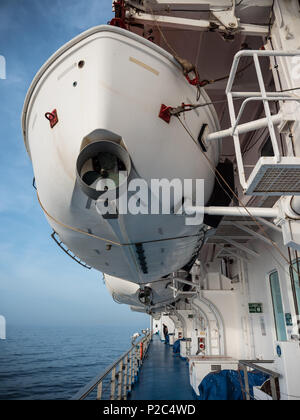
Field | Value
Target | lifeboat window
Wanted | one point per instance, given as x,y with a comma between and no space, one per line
295,277
279,316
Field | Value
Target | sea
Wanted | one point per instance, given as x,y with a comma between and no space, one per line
53,363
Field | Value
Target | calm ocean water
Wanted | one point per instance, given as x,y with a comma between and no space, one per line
54,363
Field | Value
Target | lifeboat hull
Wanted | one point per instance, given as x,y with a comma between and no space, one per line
111,83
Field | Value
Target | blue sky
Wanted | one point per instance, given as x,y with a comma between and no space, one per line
39,284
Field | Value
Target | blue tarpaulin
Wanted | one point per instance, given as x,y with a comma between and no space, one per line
228,385
176,346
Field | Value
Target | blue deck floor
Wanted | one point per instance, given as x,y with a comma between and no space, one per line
163,375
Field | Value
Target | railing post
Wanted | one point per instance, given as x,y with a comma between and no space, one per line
273,376
99,391
145,347
138,359
130,372
125,379
113,384
273,388
247,390
135,369
123,373
134,364
120,380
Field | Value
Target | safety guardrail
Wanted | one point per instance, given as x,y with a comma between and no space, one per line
62,246
273,376
123,372
268,122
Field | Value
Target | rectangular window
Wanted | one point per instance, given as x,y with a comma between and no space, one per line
279,317
295,269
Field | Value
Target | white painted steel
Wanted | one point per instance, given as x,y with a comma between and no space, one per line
244,128
269,121
236,211
127,292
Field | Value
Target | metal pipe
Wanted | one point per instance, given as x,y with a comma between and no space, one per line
268,95
273,389
247,53
253,364
245,128
190,283
269,224
99,391
130,372
259,98
266,107
113,384
125,386
235,211
120,380
269,121
236,142
246,380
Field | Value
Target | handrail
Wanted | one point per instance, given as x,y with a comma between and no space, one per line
269,121
252,364
55,237
124,386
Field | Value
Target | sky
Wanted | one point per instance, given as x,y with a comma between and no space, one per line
39,284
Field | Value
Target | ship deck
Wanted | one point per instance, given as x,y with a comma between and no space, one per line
163,375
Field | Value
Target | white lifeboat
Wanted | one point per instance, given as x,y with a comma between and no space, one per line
100,95
145,297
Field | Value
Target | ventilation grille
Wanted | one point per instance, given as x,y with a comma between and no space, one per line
280,180
275,179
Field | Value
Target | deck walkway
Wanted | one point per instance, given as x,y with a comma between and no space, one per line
163,375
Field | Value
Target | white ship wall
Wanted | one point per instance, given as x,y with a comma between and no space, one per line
246,336
264,346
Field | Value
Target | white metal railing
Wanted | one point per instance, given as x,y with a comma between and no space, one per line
268,122
244,365
123,373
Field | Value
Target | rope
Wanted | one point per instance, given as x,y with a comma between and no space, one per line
78,230
73,228
211,166
186,66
